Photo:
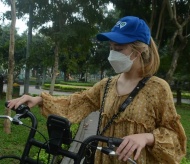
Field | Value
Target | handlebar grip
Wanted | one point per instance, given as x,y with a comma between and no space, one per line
117,141
6,104
21,108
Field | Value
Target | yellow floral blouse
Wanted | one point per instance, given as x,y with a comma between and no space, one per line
152,111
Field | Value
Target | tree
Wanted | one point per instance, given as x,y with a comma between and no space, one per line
55,69
100,50
11,64
179,39
19,52
1,86
41,57
73,25
29,42
99,58
30,7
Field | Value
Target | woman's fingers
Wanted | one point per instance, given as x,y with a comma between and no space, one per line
130,152
14,103
137,153
132,146
126,151
11,103
122,146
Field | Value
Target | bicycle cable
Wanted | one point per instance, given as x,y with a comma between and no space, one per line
38,156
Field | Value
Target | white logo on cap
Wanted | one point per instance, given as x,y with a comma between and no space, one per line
121,24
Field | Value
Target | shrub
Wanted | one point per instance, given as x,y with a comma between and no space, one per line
64,88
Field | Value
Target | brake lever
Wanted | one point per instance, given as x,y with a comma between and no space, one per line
114,142
111,152
14,120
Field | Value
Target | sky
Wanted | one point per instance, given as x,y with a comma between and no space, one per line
20,24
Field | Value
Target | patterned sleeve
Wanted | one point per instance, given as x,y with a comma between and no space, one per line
74,107
170,138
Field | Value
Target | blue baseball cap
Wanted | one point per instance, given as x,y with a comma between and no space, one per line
127,30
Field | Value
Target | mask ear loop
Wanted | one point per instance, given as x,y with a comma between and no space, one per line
136,56
130,56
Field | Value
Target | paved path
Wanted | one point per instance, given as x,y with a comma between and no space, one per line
186,101
33,90
87,128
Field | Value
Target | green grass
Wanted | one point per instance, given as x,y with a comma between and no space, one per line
14,143
184,112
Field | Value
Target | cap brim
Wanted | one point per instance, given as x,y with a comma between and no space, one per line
115,37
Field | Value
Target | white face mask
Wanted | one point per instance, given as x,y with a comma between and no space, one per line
120,62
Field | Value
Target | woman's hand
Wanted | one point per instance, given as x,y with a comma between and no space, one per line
25,99
134,144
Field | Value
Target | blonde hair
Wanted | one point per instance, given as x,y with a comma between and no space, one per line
149,58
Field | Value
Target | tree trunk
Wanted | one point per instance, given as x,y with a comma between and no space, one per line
7,124
43,76
1,86
29,41
173,66
55,70
178,96
175,49
176,54
101,74
37,79
153,14
160,23
161,33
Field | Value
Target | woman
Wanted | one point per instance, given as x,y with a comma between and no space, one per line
150,126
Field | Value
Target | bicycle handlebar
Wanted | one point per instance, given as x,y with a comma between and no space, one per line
58,126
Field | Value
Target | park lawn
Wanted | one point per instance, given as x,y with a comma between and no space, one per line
14,143
184,111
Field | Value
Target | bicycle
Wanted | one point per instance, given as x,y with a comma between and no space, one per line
59,133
